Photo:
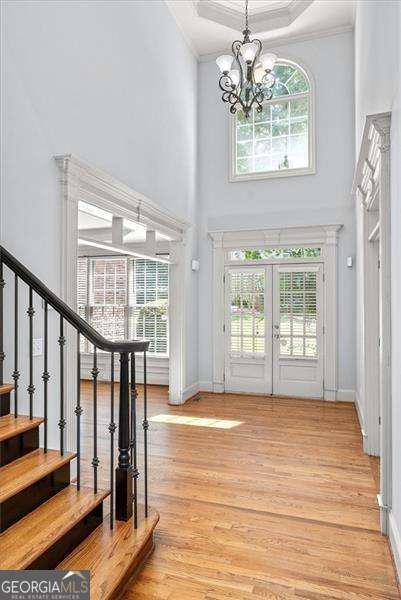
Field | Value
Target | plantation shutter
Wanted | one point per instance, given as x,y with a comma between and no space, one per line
298,314
149,300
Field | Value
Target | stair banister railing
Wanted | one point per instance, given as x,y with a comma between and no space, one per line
124,497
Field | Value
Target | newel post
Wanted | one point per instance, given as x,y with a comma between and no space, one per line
124,471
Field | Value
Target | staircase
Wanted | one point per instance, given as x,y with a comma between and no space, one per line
48,519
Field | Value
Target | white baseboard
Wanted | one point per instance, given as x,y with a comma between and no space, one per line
205,386
395,543
190,391
359,412
346,395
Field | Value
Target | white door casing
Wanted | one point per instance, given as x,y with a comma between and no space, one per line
298,347
371,188
324,236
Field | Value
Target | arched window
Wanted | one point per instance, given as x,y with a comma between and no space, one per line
278,141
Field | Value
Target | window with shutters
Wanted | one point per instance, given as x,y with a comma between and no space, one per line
124,298
149,303
298,316
247,318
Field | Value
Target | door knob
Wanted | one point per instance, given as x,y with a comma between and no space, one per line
277,336
276,327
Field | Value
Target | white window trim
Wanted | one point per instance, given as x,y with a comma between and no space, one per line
311,169
80,180
325,236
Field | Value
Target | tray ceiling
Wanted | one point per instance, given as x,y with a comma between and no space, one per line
210,26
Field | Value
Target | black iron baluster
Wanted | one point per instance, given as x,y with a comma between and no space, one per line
95,460
145,426
45,375
112,428
62,421
31,387
124,469
78,411
2,355
135,472
16,373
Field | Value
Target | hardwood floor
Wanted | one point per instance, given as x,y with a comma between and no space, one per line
281,506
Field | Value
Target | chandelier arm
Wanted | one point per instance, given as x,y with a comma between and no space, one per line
232,98
256,58
258,99
241,70
236,46
225,83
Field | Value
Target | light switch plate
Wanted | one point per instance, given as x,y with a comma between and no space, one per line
37,347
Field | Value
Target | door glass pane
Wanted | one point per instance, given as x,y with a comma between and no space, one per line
298,314
247,319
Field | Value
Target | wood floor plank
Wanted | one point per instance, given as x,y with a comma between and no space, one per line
283,506
27,539
28,469
11,426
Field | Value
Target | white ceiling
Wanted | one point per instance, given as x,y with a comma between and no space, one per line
274,21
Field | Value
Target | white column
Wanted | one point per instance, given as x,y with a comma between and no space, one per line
69,181
218,313
177,320
330,314
385,329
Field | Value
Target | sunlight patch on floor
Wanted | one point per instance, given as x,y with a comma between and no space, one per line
196,421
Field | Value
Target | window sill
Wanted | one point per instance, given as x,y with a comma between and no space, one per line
272,174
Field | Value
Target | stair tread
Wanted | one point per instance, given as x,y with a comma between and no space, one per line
27,539
109,554
5,388
11,426
28,469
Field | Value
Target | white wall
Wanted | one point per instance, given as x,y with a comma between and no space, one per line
323,198
86,77
378,89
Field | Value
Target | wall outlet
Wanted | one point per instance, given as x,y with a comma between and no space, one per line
38,347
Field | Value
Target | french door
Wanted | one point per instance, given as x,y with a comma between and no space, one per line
274,330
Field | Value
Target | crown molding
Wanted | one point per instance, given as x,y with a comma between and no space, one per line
181,29
266,19
316,234
82,181
375,138
285,41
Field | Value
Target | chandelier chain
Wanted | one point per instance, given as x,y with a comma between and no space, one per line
246,14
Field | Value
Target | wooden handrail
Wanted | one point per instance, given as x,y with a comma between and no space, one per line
67,312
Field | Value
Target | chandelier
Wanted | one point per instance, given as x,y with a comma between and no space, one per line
251,80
